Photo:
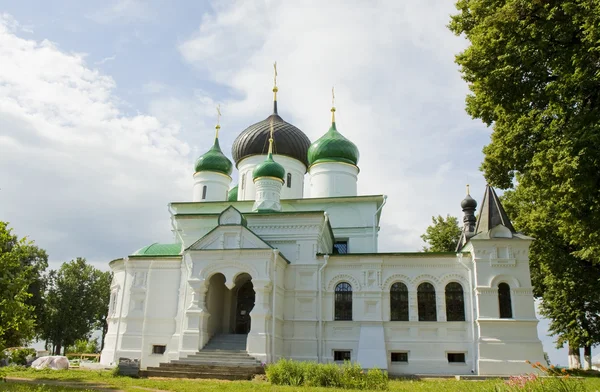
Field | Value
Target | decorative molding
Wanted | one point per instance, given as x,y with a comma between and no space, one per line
387,285
344,278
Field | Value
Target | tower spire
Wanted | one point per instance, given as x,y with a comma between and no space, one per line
271,136
218,126
275,89
332,105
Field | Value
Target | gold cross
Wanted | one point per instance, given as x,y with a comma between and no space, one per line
275,75
218,120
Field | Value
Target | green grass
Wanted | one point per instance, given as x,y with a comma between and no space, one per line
106,379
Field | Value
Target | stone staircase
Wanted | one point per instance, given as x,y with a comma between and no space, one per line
224,357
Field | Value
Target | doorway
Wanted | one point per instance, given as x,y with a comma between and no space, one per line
244,305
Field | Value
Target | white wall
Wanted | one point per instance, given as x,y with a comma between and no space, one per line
217,186
247,189
333,179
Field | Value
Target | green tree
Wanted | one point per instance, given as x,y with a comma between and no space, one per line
21,267
75,299
443,235
532,68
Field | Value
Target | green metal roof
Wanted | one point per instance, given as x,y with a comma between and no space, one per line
214,160
333,147
232,195
269,168
157,249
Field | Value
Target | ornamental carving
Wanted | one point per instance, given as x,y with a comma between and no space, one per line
397,278
341,278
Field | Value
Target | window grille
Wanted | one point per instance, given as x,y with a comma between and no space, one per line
342,355
340,247
455,302
399,302
426,302
343,301
399,357
159,349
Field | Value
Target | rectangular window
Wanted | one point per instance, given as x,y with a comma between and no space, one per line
399,357
159,349
204,192
456,357
340,247
341,355
289,180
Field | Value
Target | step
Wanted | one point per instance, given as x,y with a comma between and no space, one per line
209,369
220,355
217,363
204,375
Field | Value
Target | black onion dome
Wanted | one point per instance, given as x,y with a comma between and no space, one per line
468,202
254,140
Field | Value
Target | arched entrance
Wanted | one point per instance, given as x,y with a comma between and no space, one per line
230,309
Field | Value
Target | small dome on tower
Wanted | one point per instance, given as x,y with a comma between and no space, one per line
232,195
214,160
468,202
333,147
269,168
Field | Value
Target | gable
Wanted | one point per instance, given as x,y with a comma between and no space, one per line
230,237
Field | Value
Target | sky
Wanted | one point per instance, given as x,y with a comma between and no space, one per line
105,105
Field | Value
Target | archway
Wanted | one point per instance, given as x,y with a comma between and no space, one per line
230,309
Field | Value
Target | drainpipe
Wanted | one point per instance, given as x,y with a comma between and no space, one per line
125,260
375,223
320,280
274,279
459,258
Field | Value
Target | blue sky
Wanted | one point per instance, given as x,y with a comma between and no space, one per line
104,106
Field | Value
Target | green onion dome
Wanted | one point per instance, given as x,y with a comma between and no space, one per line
232,195
269,168
333,147
214,160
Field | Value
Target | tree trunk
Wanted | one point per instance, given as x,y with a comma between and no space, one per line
104,331
587,357
57,348
574,357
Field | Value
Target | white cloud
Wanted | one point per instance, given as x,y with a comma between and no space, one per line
76,174
399,95
106,60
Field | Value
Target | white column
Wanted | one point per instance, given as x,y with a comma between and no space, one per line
195,328
261,314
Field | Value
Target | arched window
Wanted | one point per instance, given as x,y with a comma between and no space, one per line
289,180
243,181
343,301
455,302
426,300
204,192
399,302
504,300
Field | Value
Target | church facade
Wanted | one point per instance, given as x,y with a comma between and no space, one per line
301,277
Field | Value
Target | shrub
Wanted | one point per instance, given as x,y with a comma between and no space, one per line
18,356
312,374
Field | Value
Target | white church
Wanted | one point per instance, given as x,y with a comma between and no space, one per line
265,270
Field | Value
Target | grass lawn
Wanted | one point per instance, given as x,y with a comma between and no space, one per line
104,380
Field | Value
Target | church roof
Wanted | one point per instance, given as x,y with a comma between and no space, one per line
269,168
157,249
333,147
492,213
291,141
214,160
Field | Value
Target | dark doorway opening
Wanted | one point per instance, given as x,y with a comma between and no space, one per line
245,304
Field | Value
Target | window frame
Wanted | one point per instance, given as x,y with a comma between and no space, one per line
404,354
288,181
399,306
343,301
458,354
344,241
505,310
342,353
159,349
204,191
452,299
426,307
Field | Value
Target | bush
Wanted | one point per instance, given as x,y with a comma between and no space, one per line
554,380
18,356
312,374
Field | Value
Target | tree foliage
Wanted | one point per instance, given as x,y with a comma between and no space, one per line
442,235
21,267
76,303
533,70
